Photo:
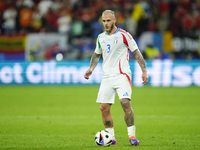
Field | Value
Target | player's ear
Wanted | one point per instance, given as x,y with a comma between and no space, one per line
114,20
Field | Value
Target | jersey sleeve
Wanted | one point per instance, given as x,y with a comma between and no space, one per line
129,41
98,49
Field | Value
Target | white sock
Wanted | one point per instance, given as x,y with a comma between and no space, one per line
111,131
131,131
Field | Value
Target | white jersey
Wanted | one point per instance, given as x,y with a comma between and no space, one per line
115,52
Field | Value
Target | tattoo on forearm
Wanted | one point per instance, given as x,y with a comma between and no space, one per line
140,60
94,60
107,123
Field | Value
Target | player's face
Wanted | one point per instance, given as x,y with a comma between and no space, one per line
108,22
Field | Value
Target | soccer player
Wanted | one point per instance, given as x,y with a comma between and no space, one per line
114,45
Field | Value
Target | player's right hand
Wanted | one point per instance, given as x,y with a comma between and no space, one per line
88,73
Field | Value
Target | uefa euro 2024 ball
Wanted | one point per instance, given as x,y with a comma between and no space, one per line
103,138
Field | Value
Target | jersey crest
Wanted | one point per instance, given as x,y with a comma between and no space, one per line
115,40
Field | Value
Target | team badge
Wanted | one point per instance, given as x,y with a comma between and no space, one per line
115,40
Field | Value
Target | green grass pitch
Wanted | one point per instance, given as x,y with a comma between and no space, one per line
67,117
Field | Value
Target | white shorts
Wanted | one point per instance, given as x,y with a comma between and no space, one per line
120,84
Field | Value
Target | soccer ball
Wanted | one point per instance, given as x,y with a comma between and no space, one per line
103,138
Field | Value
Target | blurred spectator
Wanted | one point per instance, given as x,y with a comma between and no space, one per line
77,28
138,12
25,18
188,23
36,20
57,4
50,21
140,17
152,52
44,6
163,6
64,22
130,24
163,22
146,7
96,28
27,3
87,15
9,16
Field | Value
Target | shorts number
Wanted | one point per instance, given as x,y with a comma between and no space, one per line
108,45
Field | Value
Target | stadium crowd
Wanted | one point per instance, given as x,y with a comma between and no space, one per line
79,20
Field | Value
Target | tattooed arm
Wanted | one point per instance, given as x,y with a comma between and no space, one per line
142,64
93,63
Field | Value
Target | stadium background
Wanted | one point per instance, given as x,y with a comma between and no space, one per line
63,33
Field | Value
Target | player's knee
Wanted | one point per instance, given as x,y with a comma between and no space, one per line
104,108
125,102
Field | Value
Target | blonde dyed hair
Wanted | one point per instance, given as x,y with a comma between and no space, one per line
106,12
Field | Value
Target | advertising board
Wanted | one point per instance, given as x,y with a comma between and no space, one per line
163,73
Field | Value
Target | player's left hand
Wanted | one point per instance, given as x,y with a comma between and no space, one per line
145,78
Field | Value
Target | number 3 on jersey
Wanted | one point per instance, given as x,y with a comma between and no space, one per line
108,45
